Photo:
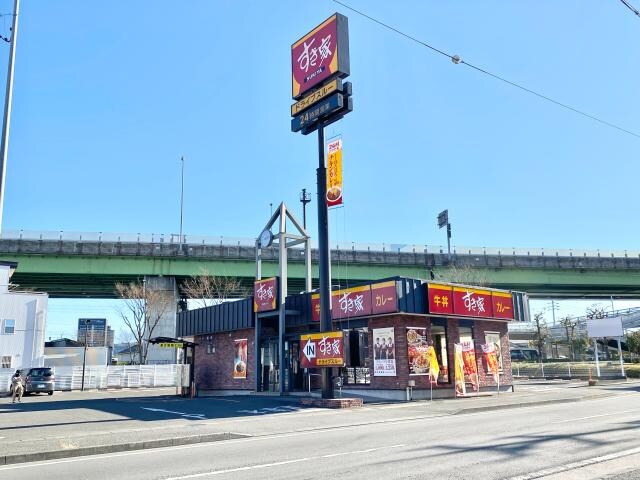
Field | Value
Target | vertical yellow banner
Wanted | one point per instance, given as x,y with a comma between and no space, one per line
334,172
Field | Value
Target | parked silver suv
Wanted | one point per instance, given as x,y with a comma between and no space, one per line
38,380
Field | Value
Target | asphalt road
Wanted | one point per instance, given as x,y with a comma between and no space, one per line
590,439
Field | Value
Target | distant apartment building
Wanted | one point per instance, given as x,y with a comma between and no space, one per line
95,332
23,317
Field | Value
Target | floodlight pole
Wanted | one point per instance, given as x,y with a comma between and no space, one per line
8,97
323,256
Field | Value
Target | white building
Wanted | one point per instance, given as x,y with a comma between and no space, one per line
23,317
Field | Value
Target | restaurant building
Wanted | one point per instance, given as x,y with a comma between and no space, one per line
393,331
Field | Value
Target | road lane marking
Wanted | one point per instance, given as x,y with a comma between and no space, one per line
284,462
572,466
597,416
199,416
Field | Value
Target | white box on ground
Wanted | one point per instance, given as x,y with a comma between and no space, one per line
605,327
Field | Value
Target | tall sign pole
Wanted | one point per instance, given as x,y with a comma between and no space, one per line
8,97
319,62
323,256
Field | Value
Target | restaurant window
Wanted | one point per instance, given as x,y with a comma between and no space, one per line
8,326
356,371
5,362
439,338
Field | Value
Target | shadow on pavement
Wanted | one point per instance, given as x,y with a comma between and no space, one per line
142,408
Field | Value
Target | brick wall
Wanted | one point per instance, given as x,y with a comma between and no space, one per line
400,324
215,371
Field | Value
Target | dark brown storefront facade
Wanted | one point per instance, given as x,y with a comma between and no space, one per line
387,326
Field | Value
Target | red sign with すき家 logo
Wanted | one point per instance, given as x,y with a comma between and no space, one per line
351,302
324,349
265,293
320,55
472,302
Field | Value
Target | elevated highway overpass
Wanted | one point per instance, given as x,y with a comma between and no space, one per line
88,265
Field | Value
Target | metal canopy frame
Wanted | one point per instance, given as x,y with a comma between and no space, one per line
283,240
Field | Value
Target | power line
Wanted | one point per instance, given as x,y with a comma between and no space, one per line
457,60
631,7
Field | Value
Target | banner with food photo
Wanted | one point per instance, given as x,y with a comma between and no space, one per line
240,358
493,338
334,172
491,358
458,367
469,363
417,351
434,367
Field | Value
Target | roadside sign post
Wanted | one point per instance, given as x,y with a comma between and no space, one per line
319,62
620,357
595,351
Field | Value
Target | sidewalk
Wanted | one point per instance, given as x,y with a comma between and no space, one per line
76,423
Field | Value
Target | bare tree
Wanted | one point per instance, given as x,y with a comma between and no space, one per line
125,337
595,311
465,274
207,289
143,308
541,333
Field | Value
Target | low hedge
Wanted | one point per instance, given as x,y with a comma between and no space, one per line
632,371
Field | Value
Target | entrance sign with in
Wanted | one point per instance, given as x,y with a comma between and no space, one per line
324,349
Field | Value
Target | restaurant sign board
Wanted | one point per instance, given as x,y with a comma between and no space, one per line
320,55
445,299
325,349
265,293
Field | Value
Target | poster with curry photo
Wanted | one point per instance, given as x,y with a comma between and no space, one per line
417,351
240,358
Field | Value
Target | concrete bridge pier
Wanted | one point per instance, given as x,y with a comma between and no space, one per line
166,327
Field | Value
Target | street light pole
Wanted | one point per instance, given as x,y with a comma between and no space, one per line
181,195
304,199
8,97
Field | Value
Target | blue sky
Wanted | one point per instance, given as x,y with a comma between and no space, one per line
109,96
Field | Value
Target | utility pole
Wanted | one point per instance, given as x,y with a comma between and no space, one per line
181,195
304,199
4,143
84,357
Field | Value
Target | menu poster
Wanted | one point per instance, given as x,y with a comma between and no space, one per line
417,351
458,367
240,359
491,358
469,364
494,339
384,352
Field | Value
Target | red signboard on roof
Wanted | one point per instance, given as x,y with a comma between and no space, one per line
440,298
502,305
315,307
351,302
321,54
472,302
265,293
384,297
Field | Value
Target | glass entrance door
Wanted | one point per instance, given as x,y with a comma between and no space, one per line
270,380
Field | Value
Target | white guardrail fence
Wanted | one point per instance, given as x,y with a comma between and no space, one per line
172,238
112,376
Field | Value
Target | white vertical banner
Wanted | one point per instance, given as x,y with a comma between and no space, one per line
384,352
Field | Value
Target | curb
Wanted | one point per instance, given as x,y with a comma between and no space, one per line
529,404
115,448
